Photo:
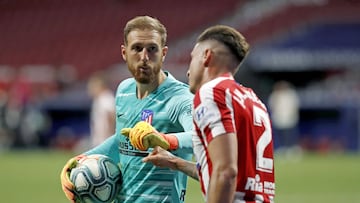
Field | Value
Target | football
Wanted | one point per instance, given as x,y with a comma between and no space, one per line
96,178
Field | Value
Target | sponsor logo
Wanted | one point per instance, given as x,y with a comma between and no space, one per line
200,112
255,184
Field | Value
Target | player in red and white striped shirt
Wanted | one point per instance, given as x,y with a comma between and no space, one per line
233,142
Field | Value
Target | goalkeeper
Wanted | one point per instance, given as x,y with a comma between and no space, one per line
151,102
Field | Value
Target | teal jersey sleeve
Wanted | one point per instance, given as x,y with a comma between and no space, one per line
183,115
168,109
109,148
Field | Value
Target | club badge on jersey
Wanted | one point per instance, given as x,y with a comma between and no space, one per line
147,116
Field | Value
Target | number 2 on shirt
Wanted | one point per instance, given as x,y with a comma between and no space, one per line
262,118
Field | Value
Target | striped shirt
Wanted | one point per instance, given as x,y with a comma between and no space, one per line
224,106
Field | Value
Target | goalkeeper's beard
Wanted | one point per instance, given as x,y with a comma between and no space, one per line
147,76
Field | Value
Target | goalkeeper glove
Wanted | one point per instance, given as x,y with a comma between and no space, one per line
143,136
66,184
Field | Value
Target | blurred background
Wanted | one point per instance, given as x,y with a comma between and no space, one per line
304,64
50,48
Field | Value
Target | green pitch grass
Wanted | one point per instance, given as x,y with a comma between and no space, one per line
33,176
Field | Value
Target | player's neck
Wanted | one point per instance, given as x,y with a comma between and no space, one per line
216,72
144,90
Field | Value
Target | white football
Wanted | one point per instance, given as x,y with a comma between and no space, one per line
97,179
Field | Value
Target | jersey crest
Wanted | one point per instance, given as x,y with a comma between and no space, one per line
147,115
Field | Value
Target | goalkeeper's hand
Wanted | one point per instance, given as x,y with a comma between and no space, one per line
66,184
143,136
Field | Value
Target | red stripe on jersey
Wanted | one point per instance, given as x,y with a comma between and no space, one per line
208,133
207,173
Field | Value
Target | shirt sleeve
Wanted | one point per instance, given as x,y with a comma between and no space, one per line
214,115
185,119
109,148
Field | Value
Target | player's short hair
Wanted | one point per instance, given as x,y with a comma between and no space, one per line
143,23
228,36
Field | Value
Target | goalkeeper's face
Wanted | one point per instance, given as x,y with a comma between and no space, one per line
144,55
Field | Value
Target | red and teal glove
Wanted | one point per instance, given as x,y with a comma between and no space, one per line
143,136
66,184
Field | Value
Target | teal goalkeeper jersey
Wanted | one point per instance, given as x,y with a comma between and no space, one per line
168,109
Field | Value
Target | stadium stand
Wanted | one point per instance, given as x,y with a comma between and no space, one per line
77,32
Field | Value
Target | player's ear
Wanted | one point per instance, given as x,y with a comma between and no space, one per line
123,52
164,52
207,57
